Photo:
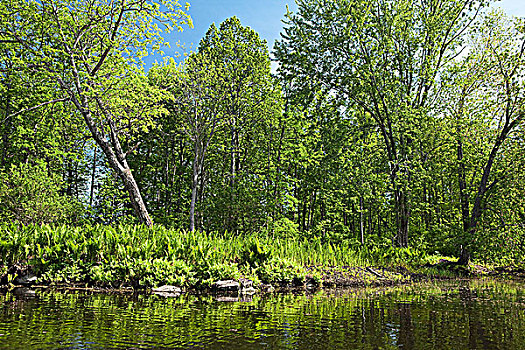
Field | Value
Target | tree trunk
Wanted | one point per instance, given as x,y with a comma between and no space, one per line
470,222
370,221
464,256
305,211
6,127
117,161
194,184
361,220
232,211
135,197
311,212
93,173
463,191
402,218
192,206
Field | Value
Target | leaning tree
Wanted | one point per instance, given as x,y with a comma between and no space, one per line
90,52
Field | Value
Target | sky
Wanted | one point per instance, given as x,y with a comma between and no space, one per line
513,7
264,16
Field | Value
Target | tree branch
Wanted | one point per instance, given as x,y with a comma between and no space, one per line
35,107
132,149
108,49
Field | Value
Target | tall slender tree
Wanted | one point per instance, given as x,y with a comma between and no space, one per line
198,92
250,106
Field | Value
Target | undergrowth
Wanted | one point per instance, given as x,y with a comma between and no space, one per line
146,257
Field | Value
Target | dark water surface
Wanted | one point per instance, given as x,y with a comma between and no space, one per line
459,315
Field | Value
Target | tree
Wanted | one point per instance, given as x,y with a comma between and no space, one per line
487,98
250,104
89,53
198,92
385,58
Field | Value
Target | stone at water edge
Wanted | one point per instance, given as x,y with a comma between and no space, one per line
167,291
226,285
26,280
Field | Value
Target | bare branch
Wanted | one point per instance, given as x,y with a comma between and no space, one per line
132,149
35,107
108,49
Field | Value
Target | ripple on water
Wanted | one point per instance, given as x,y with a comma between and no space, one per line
476,315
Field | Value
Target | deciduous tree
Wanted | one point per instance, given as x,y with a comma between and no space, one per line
486,107
90,53
384,57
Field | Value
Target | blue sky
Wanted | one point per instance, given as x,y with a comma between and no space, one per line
513,7
264,16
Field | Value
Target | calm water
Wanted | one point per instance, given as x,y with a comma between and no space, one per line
475,315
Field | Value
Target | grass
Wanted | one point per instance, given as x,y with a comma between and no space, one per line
147,257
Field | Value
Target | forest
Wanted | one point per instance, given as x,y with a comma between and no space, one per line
388,126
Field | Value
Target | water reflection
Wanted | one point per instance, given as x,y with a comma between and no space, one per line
475,315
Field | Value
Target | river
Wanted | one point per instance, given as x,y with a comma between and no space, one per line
444,315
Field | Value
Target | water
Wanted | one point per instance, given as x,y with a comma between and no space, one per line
459,315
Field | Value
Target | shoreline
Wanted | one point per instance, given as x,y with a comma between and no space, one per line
334,278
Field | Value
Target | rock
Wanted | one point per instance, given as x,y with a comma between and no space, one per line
244,286
311,282
227,285
26,279
167,291
311,286
248,291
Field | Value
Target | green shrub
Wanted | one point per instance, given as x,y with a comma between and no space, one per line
255,253
282,270
283,228
29,195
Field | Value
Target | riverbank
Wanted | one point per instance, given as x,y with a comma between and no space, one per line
136,258
327,278
316,277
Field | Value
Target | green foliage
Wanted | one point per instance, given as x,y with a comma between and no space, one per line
281,270
30,194
89,56
254,254
145,257
240,187
283,228
375,133
111,204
